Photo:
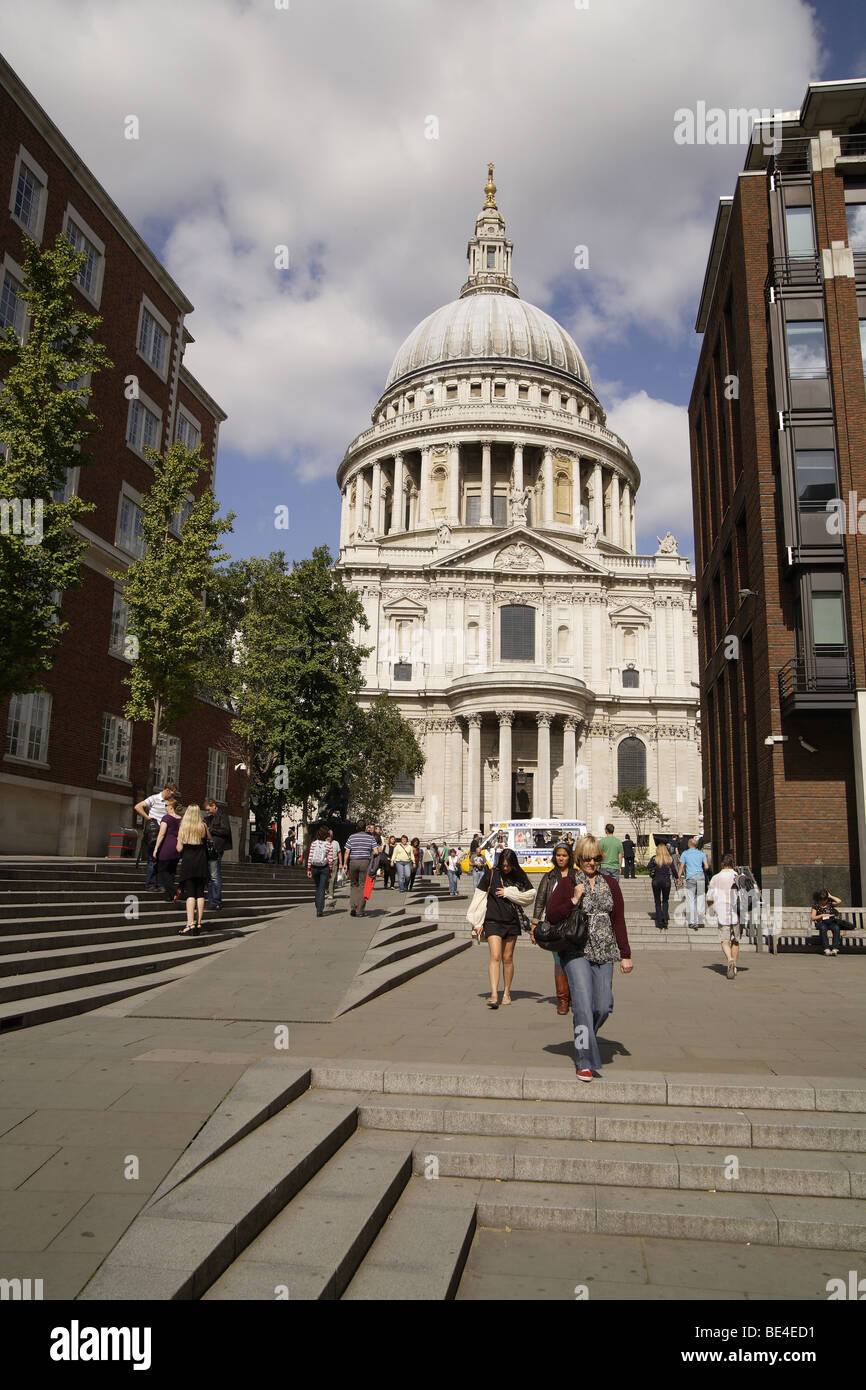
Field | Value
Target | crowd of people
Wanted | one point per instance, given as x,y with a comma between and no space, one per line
184,844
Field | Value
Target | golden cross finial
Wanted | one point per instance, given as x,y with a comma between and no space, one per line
490,190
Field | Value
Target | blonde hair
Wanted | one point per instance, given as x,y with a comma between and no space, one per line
192,828
663,855
586,847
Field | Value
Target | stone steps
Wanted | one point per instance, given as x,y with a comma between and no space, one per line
34,984
43,959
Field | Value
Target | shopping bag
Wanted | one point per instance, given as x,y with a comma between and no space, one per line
368,887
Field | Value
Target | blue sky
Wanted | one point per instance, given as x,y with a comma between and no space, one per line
308,128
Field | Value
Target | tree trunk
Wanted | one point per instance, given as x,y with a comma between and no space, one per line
154,742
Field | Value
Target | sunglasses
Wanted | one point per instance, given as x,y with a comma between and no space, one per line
592,859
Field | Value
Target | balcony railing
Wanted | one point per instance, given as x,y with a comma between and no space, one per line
795,271
818,682
852,146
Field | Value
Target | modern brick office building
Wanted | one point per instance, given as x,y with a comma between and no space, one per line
72,766
778,447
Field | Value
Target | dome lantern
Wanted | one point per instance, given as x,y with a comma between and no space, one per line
489,251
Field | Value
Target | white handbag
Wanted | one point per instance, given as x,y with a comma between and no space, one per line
477,909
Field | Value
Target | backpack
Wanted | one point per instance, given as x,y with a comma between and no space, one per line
322,856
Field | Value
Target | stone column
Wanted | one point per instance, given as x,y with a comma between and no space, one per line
615,516
453,823
398,510
547,474
345,520
474,773
542,791
376,504
597,503
576,491
454,485
506,719
625,512
569,758
360,486
517,467
486,518
423,513
632,527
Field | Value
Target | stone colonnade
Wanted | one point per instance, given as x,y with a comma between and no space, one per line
542,802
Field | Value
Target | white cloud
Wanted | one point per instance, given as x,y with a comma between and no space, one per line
306,127
657,433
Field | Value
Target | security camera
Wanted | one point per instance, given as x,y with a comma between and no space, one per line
808,746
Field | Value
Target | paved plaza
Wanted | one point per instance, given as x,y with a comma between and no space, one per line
137,1080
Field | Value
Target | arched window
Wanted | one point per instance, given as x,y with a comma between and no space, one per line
472,642
562,497
563,644
439,482
629,645
517,633
630,679
631,764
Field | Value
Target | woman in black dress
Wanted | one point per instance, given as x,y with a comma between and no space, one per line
192,870
509,888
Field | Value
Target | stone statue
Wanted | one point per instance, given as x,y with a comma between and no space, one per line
443,535
519,505
364,533
590,535
667,545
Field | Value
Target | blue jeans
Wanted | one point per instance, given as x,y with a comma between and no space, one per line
452,883
404,870
695,889
321,873
591,989
215,886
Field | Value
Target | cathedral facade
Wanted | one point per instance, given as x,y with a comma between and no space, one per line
488,525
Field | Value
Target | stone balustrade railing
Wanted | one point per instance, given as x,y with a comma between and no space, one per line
487,413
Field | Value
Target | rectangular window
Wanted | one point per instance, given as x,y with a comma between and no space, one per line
523,393
88,275
798,229
816,477
143,427
27,727
119,625
807,355
12,306
475,391
64,492
863,344
27,198
402,671
855,212
828,623
129,533
517,633
216,775
152,341
450,393
114,747
473,509
404,786
187,433
177,521
167,760
499,390
500,509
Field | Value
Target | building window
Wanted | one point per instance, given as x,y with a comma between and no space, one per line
500,509
562,497
402,671
12,306
855,211
863,344
798,230
473,508
217,767
129,530
545,396
404,786
167,760
563,645
499,390
491,257
114,748
472,648
517,633
630,679
152,341
631,764
629,644
28,199
177,522
523,393
27,727
67,487
119,625
816,477
475,390
143,430
438,485
807,355
828,619
88,277
451,392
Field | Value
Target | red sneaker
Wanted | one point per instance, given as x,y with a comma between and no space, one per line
584,1074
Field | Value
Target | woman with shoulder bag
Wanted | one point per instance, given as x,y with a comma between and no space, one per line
508,891
589,962
561,861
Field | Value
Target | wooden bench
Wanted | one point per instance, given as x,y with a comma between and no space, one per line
797,929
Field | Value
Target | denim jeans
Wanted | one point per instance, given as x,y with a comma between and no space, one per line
612,873
404,869
695,889
452,883
831,936
591,989
151,879
661,893
477,875
215,886
321,873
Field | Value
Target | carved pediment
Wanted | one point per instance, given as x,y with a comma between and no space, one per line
519,556
518,551
630,613
402,606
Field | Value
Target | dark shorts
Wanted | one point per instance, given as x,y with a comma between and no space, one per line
502,929
194,887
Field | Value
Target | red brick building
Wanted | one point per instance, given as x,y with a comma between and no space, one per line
778,448
73,766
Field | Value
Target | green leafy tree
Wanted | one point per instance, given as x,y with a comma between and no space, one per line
637,806
44,419
170,624
380,746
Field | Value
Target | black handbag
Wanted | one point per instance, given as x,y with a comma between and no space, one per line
571,934
211,847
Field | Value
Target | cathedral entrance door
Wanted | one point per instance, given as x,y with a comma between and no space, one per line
521,795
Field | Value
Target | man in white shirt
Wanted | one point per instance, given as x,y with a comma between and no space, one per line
153,808
722,894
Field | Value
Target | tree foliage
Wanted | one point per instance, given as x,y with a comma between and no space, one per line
637,806
165,590
44,419
381,747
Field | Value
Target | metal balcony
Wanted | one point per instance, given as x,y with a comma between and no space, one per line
795,272
824,682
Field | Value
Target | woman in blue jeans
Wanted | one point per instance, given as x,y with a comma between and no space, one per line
320,861
589,968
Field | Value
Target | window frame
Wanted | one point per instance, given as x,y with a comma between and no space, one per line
165,770
8,266
25,157
526,608
147,403
128,494
117,725
27,727
220,759
148,306
71,214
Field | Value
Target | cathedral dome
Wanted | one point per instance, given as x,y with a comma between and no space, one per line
485,325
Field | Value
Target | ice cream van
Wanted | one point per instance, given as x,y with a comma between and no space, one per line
533,841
